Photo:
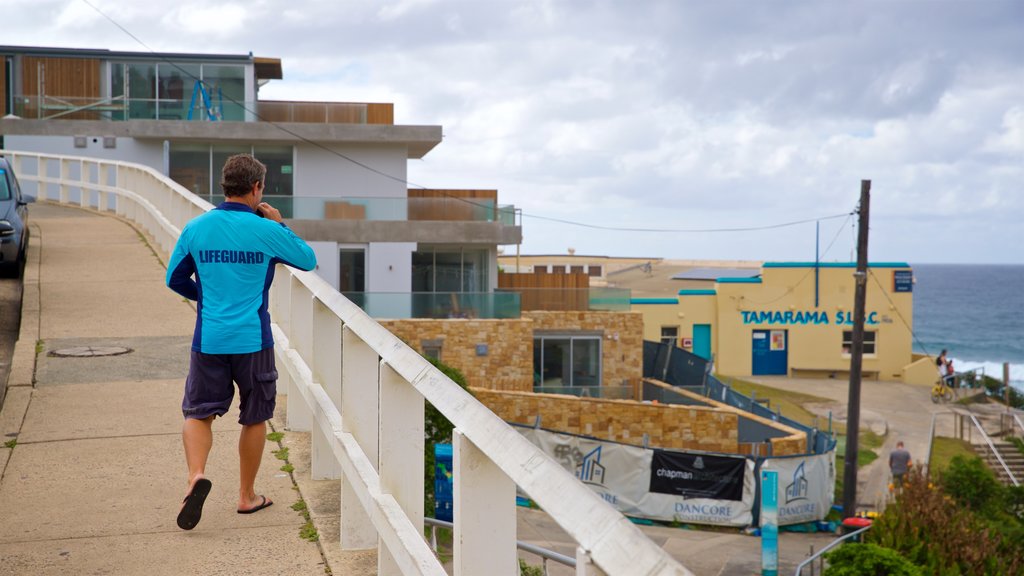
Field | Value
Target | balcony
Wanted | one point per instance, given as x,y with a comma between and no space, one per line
387,209
437,305
567,299
119,108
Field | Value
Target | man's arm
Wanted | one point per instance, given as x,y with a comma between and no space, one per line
180,270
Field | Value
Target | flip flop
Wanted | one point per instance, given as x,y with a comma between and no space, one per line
192,511
262,505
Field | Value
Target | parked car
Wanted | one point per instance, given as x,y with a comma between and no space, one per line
13,222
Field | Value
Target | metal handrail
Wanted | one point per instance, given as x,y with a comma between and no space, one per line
831,545
544,553
993,448
1019,423
931,443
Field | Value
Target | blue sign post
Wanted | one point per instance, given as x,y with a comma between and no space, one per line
769,523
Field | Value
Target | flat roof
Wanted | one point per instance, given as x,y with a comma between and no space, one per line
716,273
111,54
834,265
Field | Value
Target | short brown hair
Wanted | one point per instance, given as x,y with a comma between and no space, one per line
240,172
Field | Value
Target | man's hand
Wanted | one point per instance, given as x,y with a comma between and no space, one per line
269,212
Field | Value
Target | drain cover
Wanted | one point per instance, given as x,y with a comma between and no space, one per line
90,351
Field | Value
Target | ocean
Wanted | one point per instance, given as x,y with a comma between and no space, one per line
975,312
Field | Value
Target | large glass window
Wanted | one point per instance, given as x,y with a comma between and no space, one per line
175,85
447,270
561,361
190,167
142,90
198,167
226,85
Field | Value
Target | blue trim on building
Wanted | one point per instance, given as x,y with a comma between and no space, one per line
697,293
738,280
834,265
653,301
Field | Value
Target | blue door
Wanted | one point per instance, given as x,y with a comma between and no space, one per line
702,340
771,357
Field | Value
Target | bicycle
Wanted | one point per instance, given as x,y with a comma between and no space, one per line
941,392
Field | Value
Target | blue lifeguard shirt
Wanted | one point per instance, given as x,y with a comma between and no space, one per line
232,252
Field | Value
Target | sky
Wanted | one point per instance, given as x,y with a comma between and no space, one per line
695,118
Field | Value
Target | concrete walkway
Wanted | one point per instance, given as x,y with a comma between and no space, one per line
95,480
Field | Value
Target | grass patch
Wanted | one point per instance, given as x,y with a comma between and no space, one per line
288,468
275,436
281,454
11,443
39,347
299,506
791,403
867,444
943,451
308,532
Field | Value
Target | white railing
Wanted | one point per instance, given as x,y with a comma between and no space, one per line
360,391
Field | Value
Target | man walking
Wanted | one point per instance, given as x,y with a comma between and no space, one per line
899,464
224,260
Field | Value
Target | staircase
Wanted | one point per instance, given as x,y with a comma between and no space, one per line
1014,460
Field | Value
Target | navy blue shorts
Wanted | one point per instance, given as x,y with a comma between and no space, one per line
210,386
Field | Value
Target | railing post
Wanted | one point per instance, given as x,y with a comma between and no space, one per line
359,409
484,513
401,452
585,564
327,371
299,414
65,175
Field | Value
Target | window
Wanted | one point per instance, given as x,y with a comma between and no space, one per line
869,342
576,269
198,166
555,269
432,348
594,270
352,270
449,270
565,361
670,335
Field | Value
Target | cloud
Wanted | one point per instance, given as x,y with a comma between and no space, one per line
662,114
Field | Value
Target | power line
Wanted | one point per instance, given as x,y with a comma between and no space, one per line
808,273
407,183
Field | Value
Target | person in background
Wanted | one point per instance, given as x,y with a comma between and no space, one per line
944,366
225,260
899,464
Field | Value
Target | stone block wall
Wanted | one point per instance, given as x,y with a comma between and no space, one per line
668,426
622,341
508,364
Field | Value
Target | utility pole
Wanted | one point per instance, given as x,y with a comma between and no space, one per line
856,354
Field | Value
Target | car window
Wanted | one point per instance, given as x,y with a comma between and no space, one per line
5,192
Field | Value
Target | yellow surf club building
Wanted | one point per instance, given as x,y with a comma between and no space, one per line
793,319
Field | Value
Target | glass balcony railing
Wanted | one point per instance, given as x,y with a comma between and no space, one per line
121,108
386,209
466,305
554,299
220,108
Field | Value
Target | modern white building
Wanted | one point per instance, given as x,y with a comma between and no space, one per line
336,170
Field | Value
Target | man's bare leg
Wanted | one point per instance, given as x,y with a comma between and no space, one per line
251,442
197,436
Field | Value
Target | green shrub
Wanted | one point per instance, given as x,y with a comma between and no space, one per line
868,560
969,481
935,532
436,430
528,570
